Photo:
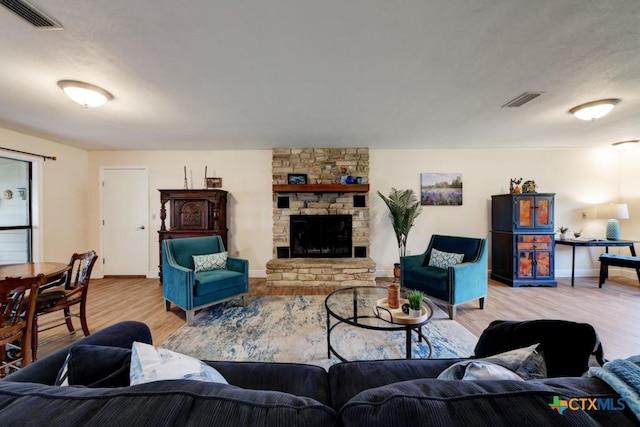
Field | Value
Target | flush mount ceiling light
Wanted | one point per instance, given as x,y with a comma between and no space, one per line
594,110
626,145
85,93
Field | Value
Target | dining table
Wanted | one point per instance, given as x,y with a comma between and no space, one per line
51,271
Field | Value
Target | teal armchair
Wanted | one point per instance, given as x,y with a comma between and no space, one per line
456,284
194,290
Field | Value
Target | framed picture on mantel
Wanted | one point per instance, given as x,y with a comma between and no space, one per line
297,178
214,182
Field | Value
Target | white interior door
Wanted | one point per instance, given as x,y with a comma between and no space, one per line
125,228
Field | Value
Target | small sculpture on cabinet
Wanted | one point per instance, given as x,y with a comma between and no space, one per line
514,186
529,186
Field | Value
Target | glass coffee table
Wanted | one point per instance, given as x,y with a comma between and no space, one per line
365,307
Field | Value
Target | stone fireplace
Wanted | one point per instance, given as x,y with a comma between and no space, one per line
321,229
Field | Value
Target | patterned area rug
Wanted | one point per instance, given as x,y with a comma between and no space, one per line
293,329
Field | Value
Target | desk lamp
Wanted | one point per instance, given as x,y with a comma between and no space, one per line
613,212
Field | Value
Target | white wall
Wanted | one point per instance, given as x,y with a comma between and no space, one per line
579,177
246,175
63,227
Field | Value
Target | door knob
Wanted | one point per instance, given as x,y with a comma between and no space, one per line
140,228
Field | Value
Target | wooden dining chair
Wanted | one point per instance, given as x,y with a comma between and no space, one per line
17,313
72,290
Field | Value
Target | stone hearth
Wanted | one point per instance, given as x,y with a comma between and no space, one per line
321,272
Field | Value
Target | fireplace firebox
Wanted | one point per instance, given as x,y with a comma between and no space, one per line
320,236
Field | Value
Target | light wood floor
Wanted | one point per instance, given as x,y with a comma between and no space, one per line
614,310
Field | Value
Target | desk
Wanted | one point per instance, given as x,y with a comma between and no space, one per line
51,270
589,243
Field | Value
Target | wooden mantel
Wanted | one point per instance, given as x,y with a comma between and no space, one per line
321,188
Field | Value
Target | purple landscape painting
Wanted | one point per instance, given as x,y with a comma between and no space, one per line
441,189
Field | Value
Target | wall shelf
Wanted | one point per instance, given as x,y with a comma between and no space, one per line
321,188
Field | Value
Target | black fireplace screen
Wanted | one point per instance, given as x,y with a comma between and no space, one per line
320,236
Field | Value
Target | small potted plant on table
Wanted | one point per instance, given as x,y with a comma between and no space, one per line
563,232
415,303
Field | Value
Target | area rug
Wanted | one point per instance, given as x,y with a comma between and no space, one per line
293,329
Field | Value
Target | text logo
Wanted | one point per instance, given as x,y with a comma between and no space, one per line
587,404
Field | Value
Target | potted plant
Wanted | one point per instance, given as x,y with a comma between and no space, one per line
415,303
563,232
404,208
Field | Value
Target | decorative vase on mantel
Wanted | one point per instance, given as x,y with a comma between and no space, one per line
396,272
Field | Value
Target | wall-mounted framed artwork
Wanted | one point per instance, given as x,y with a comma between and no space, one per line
441,189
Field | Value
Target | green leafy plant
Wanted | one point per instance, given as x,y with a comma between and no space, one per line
404,208
415,300
563,229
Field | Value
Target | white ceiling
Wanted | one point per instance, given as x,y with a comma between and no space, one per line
250,74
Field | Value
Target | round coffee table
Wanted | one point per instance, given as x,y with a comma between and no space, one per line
364,307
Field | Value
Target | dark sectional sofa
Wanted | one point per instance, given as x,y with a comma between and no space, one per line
364,393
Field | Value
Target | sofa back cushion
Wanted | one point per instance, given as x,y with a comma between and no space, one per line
347,379
160,403
566,346
482,403
294,378
183,250
468,246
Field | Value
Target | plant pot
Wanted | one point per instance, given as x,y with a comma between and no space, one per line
396,272
415,313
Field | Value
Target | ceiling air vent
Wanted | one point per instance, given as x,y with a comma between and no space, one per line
520,100
31,14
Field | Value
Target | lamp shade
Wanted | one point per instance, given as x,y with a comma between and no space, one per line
84,93
613,212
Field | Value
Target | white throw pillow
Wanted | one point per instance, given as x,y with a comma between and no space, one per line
210,262
527,362
156,364
444,260
478,370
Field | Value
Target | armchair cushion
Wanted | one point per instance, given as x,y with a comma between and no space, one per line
183,250
217,261
436,277
441,259
208,282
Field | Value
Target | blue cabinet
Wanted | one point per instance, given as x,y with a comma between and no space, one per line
522,239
